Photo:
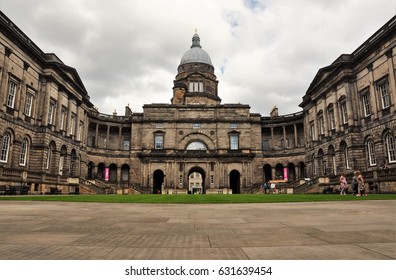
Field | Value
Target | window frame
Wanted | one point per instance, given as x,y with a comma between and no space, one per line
5,147
11,93
159,141
234,141
330,113
371,153
390,148
51,112
383,91
28,104
344,111
366,103
24,152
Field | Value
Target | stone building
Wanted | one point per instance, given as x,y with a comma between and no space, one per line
52,136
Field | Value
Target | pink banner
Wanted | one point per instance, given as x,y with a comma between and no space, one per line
107,174
285,174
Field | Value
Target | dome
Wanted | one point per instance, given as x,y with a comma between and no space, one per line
196,53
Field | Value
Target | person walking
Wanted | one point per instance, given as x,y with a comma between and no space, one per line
361,188
343,184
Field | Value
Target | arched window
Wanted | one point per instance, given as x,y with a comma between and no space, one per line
5,147
24,152
196,145
371,153
390,148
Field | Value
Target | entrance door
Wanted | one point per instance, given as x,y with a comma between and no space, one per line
235,181
196,181
158,180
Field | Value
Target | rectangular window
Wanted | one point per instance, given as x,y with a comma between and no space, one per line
159,141
195,87
366,104
344,113
12,89
371,153
234,125
180,179
28,104
63,118
234,145
51,112
212,179
196,125
80,131
159,125
331,119
312,131
126,145
321,124
384,94
24,147
73,124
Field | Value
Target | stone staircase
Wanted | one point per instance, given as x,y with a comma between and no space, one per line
96,186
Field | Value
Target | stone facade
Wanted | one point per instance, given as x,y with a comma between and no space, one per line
51,135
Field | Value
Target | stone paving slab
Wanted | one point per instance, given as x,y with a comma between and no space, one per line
321,230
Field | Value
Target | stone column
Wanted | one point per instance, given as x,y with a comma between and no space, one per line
284,137
295,136
392,79
3,79
272,138
373,94
96,135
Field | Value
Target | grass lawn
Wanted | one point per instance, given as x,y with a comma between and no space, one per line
200,199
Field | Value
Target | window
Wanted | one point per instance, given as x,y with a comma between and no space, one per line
321,123
180,179
12,89
81,130
73,124
384,94
49,155
212,179
159,125
371,153
234,139
234,125
390,147
24,152
344,112
196,125
366,104
312,131
28,104
63,118
195,87
346,157
51,112
331,117
196,145
159,141
5,148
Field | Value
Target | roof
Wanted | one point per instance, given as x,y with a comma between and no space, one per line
196,53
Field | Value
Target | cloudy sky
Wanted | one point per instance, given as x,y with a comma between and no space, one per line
265,52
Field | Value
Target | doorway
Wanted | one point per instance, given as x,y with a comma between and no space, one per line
235,181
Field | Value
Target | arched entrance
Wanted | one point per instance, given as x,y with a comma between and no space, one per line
113,172
196,180
279,172
101,171
158,180
91,167
267,173
235,181
292,171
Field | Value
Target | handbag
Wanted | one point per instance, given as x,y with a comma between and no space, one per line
361,187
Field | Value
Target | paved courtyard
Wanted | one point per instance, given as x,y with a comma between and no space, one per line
83,231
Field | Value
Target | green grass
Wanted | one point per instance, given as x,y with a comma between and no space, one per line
200,199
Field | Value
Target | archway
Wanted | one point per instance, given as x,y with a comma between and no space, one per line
235,181
125,174
267,172
196,180
279,172
101,171
292,171
113,172
301,167
158,180
90,170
